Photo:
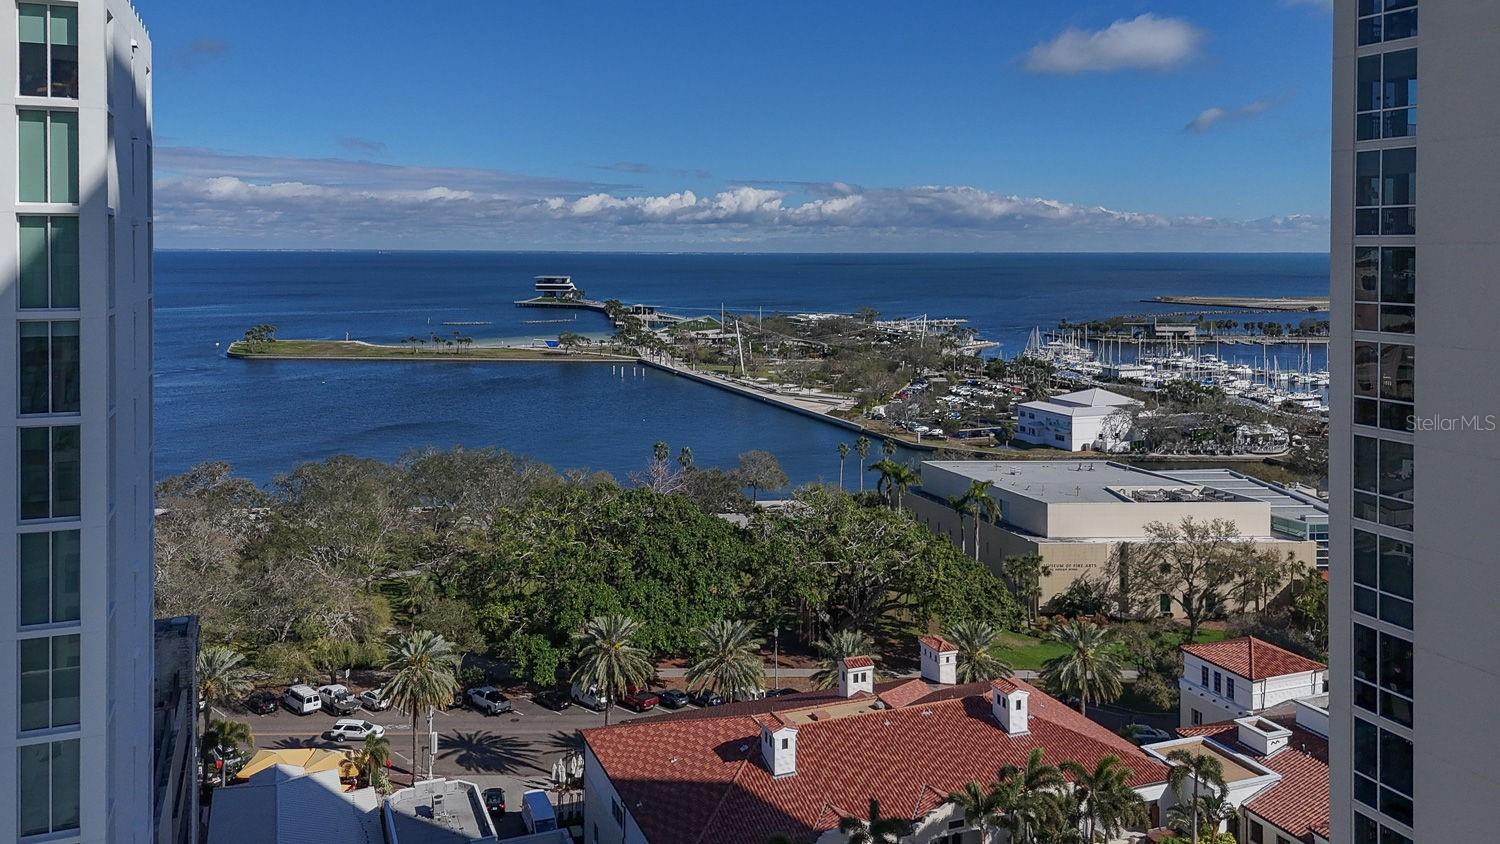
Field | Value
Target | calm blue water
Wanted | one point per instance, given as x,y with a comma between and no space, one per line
265,417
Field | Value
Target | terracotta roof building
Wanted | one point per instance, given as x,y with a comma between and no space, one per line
1236,678
798,764
1294,806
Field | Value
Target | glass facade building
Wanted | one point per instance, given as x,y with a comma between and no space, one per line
76,619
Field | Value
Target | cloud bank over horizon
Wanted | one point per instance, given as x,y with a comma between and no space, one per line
212,200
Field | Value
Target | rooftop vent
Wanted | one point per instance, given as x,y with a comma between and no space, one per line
1262,735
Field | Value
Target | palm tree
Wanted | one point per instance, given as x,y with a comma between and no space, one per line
608,658
874,829
843,454
895,480
981,808
965,507
425,668
372,758
1203,769
978,644
729,659
862,447
888,448
1106,801
1090,668
228,733
838,644
685,458
981,504
1025,795
222,677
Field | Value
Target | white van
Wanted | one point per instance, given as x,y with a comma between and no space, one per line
590,697
537,812
302,699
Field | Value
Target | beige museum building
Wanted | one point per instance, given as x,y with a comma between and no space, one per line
1075,514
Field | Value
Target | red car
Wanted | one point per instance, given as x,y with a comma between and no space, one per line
640,700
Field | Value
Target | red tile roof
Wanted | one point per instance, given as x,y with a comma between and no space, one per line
1004,686
1269,660
858,662
905,694
1298,804
938,643
701,780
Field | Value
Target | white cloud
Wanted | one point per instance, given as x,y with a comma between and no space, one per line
299,203
1146,42
1210,117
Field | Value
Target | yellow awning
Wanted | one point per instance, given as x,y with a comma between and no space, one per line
310,759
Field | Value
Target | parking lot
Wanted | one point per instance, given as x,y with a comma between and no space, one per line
514,750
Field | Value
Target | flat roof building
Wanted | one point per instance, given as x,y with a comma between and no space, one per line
1076,513
438,811
1086,419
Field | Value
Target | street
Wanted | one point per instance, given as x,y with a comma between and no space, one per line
514,751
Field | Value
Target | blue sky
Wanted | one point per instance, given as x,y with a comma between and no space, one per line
759,126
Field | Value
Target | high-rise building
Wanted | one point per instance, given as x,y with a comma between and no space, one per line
75,391
1413,468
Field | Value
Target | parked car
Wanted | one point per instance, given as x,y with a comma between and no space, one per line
375,700
1145,733
353,729
640,700
262,702
590,697
672,698
781,692
552,699
537,812
494,800
704,697
337,699
749,695
301,699
488,700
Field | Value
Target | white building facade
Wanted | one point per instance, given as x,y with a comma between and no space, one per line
1210,692
76,614
1087,419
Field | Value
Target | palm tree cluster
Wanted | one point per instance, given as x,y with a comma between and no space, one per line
1040,803
895,479
976,503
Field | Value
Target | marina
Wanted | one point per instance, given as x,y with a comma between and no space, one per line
1157,363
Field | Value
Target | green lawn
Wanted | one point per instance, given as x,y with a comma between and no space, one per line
1021,651
1027,652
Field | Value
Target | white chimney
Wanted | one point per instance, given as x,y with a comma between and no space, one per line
1011,705
939,660
778,746
1262,735
856,674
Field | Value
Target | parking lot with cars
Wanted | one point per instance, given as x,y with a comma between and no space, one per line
511,750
